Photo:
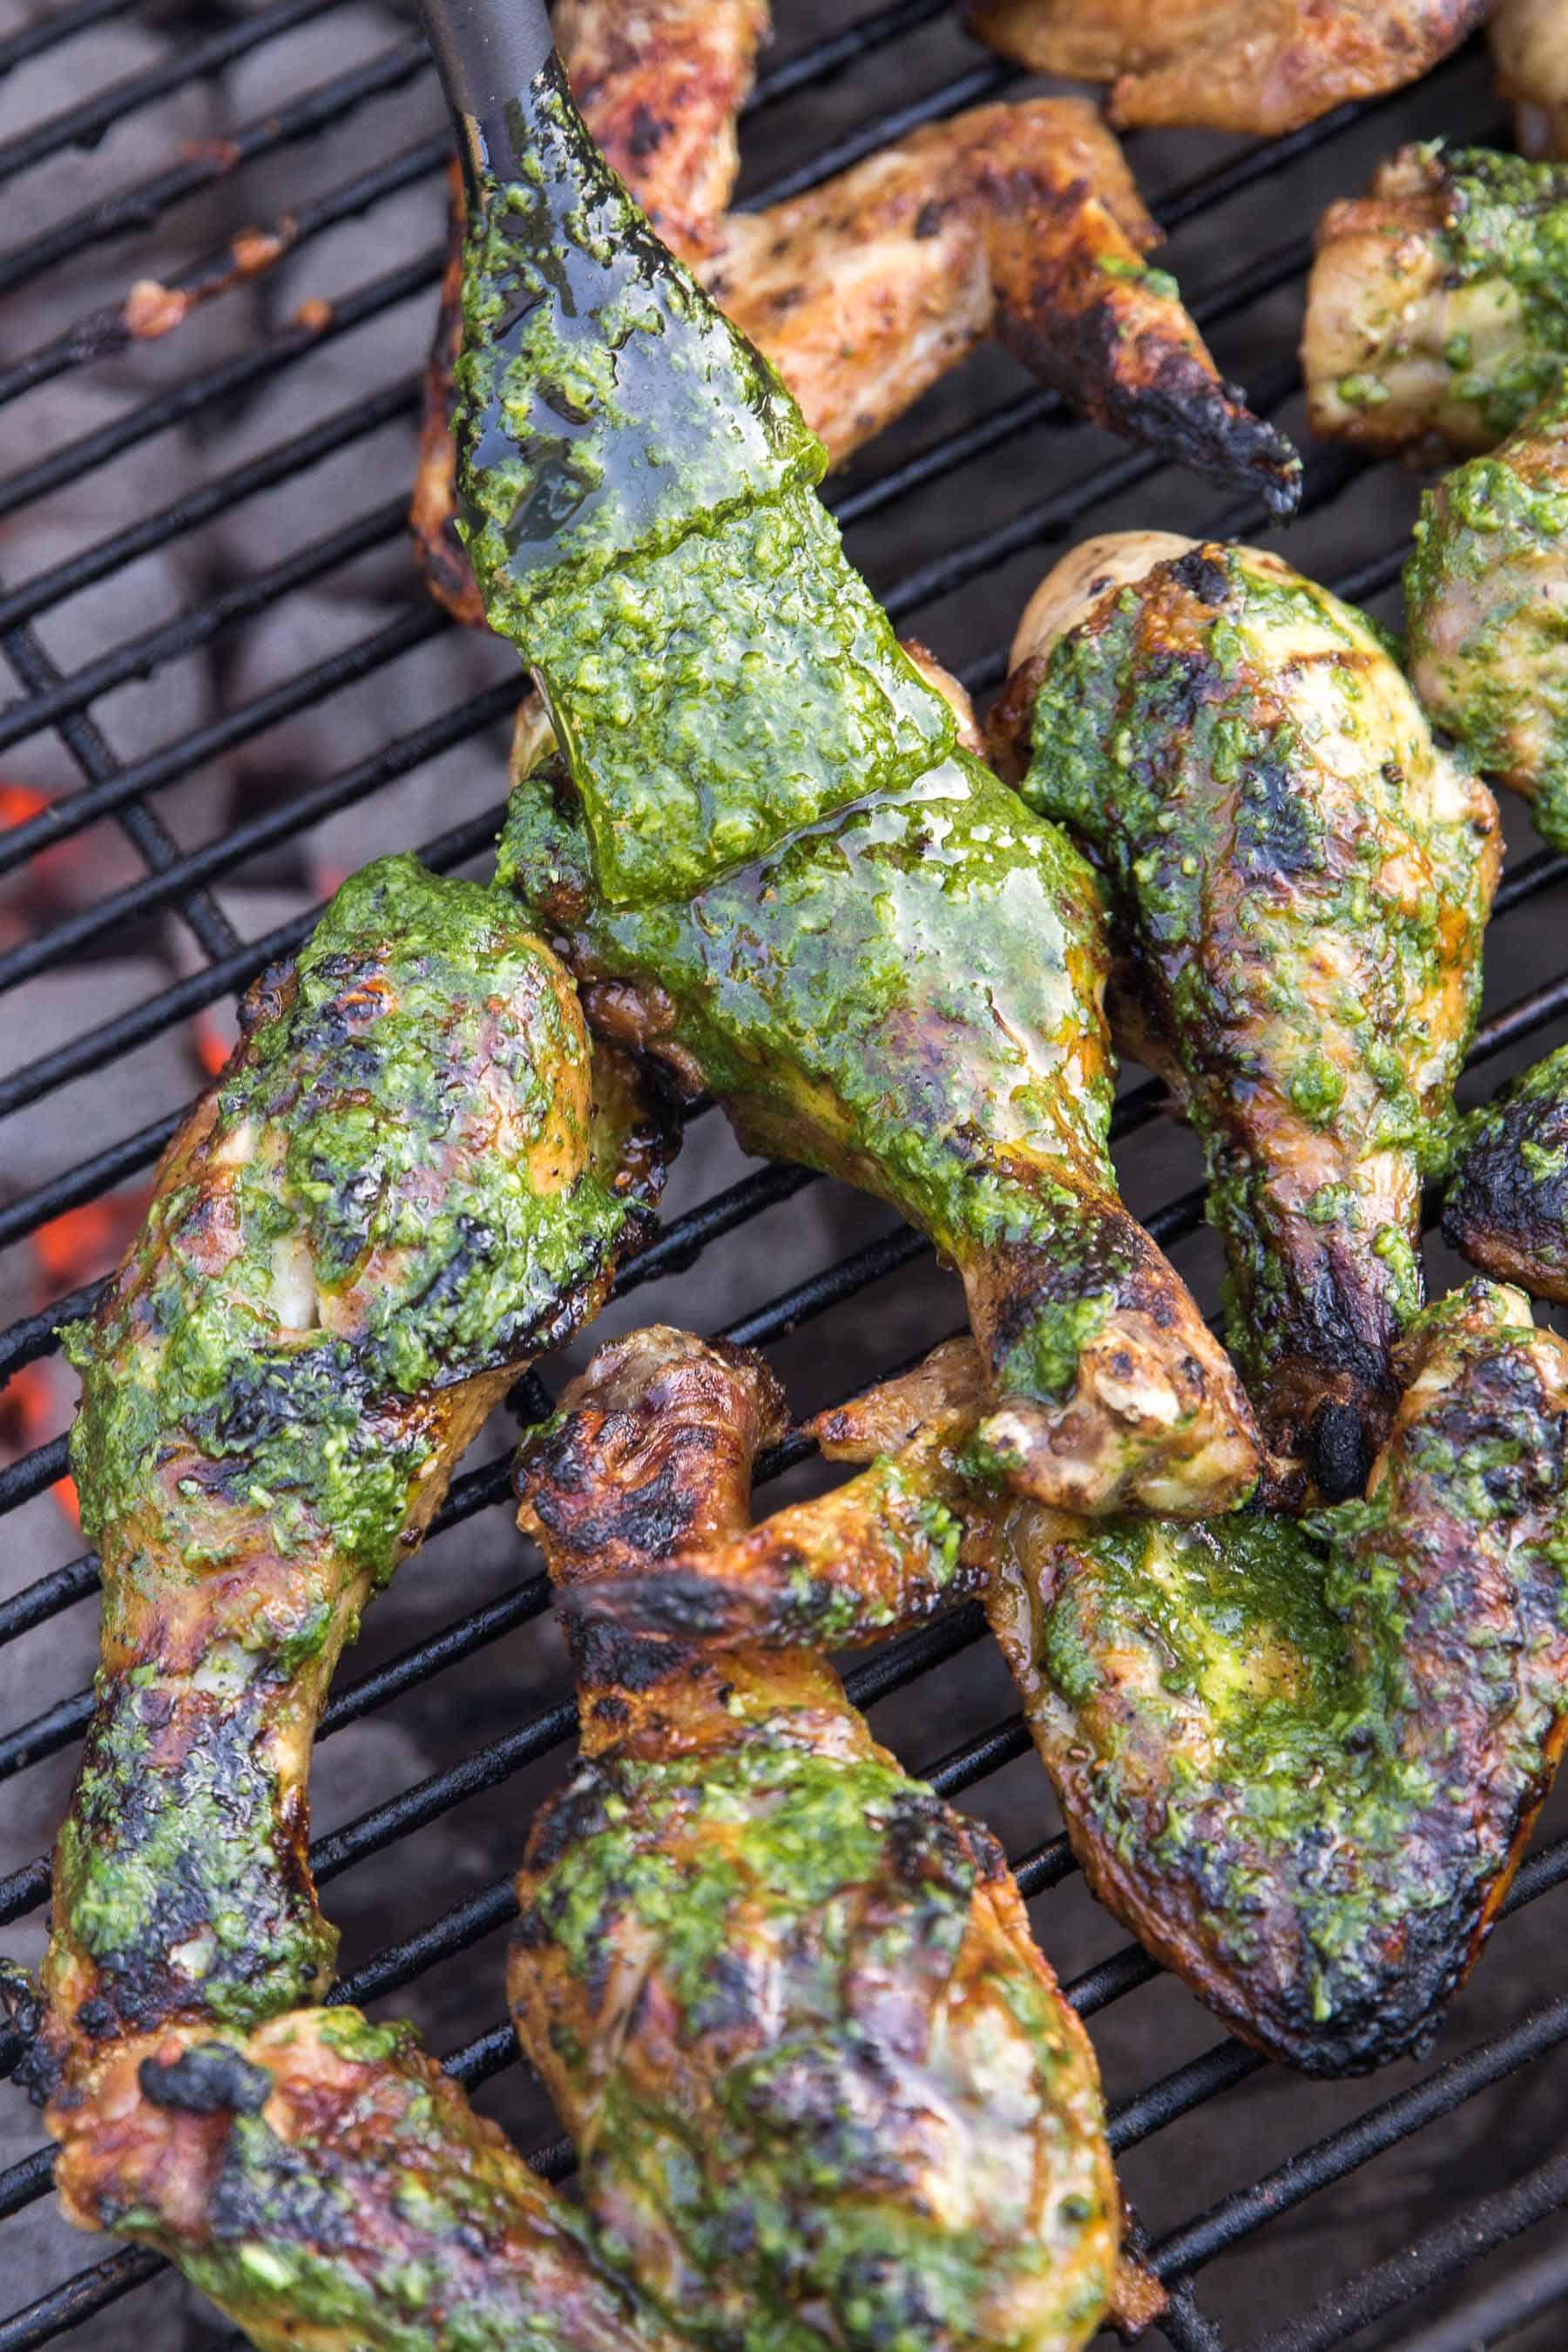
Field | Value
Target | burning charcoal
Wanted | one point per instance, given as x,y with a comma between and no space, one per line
361,721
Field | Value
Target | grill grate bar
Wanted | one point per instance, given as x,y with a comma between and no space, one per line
970,88
188,631
172,641
77,2299
413,627
1500,2311
50,32
30,1474
1490,2221
103,333
85,124
330,103
339,430
143,827
1198,2242
1187,2329
860,39
221,381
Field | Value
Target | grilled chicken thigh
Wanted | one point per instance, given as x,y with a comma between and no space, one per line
1485,597
1235,67
823,2085
1019,222
1301,881
397,1192
1438,306
1529,49
1507,1206
1300,1759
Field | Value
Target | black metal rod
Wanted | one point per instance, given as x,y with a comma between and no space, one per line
1498,2312
1451,2247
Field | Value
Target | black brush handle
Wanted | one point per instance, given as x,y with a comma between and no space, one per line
488,53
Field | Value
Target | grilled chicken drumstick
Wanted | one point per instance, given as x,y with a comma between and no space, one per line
768,855
1302,879
396,1192
1300,1759
1236,66
1507,1206
823,2085
1020,221
1485,597
908,996
1438,306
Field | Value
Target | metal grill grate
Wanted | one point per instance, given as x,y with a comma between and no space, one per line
953,516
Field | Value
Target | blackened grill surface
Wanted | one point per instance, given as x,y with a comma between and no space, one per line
227,688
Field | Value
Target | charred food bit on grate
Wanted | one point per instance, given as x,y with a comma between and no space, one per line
402,1187
1438,306
1265,68
1020,221
822,2083
1300,880
1300,1758
1507,1207
1486,595
766,853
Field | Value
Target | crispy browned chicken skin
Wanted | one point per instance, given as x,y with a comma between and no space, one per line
1021,222
1529,49
1265,66
397,1190
1301,877
822,2084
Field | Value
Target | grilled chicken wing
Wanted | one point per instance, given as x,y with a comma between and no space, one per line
1300,1759
772,863
1529,49
1485,597
1229,67
1020,221
1438,306
822,2083
1507,1206
1302,880
396,1192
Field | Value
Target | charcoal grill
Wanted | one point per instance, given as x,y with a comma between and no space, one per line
1283,2217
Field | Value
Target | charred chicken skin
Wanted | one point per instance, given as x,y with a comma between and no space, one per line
1264,70
397,1192
1485,597
769,857
1300,1758
1302,879
1020,221
1507,1206
824,2087
1529,49
1438,306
